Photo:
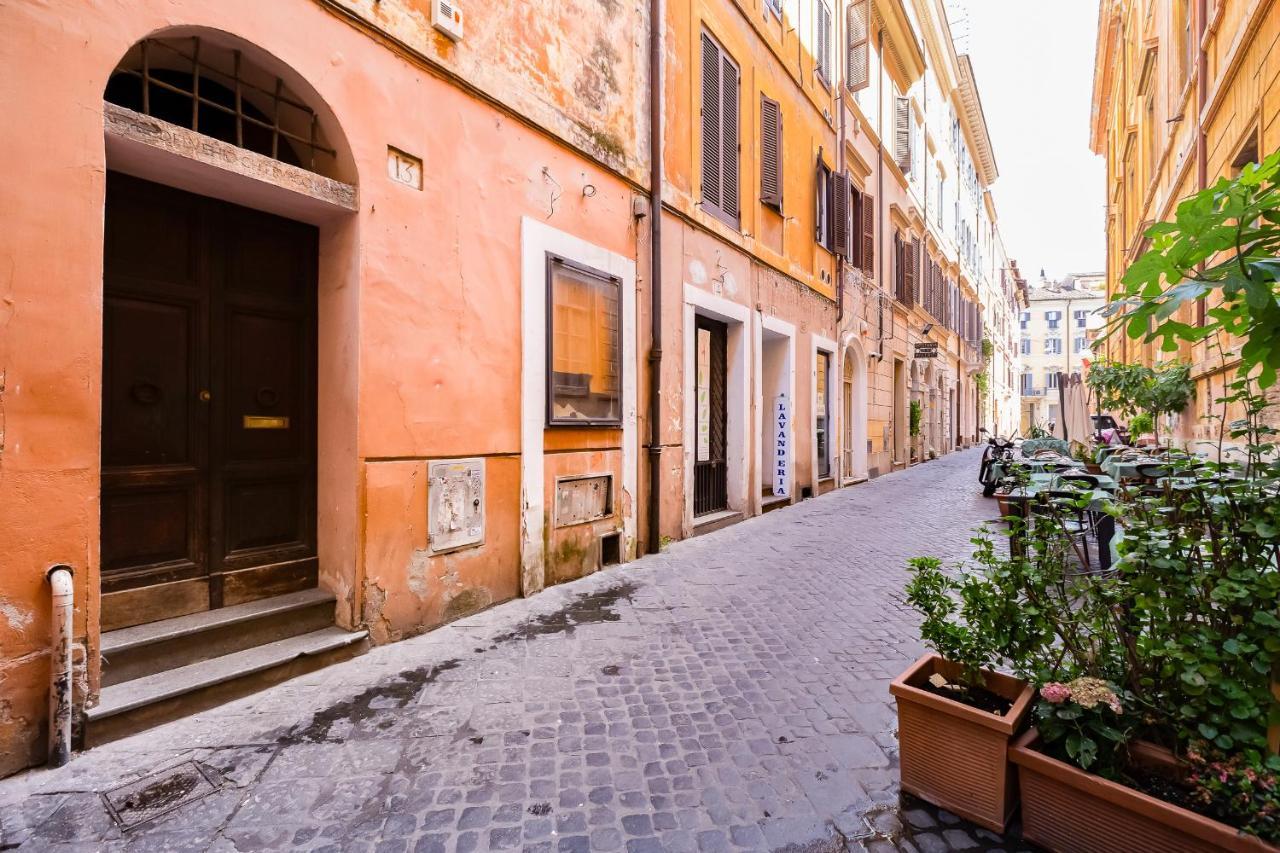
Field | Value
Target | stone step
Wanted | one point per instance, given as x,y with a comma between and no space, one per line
144,650
141,703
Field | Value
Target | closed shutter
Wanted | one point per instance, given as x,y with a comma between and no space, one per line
857,46
824,41
897,265
908,274
902,133
719,132
915,271
868,235
712,188
840,191
729,135
770,153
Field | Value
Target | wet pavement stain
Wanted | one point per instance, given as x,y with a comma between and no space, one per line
592,609
403,690
589,609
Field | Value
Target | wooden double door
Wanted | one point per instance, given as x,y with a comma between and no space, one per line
208,404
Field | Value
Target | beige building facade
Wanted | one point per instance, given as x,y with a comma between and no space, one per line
1185,92
1056,330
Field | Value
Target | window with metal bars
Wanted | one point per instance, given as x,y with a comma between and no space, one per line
208,87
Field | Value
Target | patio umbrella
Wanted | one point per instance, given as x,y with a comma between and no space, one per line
1075,410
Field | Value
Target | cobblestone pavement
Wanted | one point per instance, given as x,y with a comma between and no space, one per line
730,693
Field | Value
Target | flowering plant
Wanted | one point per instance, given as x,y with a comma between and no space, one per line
1236,790
1084,719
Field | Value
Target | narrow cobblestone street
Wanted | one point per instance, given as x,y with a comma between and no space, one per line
730,693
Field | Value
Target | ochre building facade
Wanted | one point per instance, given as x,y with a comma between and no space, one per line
326,322
1185,92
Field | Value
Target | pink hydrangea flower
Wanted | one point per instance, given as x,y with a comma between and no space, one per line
1055,692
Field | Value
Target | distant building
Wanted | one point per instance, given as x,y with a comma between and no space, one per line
1057,329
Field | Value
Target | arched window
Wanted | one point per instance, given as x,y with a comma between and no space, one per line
202,84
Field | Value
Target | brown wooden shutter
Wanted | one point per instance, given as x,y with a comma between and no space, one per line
868,235
770,153
729,135
712,188
840,192
915,271
908,274
902,133
857,72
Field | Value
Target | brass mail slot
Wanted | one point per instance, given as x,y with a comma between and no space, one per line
265,422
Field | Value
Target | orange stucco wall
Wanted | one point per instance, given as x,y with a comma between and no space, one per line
419,301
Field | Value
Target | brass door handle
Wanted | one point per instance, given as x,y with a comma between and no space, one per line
205,396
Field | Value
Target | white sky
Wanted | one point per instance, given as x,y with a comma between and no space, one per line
1033,60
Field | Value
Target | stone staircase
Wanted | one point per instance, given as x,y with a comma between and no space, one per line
164,670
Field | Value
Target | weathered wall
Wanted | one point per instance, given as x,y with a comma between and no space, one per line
578,68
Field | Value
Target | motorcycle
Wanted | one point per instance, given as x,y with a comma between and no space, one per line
998,450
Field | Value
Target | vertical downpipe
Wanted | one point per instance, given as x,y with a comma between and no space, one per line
60,676
655,275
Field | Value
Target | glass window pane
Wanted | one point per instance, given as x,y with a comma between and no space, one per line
586,339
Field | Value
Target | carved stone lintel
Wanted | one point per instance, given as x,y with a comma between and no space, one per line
182,142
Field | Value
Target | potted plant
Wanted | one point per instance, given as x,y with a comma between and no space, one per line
956,714
1164,744
1172,648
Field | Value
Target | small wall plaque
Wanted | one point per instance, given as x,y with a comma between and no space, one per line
455,504
404,168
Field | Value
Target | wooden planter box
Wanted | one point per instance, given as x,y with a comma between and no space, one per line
1070,811
954,755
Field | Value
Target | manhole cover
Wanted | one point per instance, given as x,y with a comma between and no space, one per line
151,796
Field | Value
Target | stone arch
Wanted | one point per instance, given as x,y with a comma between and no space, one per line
247,97
262,138
854,409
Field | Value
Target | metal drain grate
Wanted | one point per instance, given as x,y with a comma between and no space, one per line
151,796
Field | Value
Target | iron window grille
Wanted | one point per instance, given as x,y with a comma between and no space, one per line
192,81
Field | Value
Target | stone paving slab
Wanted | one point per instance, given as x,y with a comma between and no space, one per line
728,694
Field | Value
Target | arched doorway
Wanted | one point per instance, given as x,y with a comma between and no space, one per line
854,412
210,329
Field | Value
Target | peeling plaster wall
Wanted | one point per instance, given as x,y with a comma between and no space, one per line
576,67
407,589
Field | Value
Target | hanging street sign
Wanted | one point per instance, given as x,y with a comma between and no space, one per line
927,349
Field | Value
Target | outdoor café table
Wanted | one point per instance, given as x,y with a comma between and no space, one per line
1035,466
1099,498
1127,469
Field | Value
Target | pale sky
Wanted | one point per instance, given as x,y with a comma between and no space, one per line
1033,60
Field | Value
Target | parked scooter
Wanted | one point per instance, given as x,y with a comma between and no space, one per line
998,450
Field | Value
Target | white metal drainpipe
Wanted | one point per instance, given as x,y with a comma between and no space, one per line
63,595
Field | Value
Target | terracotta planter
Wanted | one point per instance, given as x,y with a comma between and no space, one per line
954,755
1067,810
